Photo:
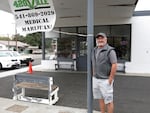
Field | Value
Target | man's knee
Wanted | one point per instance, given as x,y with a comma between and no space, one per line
110,107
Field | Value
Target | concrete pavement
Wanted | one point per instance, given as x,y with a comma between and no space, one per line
12,106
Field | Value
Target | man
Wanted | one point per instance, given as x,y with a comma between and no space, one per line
104,62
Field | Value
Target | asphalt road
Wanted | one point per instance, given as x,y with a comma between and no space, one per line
131,93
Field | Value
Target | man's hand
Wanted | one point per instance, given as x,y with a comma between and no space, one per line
110,80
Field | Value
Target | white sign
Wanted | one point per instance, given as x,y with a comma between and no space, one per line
33,15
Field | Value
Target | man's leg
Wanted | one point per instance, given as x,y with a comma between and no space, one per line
110,107
102,105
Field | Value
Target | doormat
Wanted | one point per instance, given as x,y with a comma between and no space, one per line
17,108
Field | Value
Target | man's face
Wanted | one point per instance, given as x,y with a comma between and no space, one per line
101,41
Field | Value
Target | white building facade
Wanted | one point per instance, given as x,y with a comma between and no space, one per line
140,46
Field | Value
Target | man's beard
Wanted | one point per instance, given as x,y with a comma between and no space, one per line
101,44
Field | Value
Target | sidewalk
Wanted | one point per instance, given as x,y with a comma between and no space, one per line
12,106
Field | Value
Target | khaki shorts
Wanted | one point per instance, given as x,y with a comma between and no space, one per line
102,90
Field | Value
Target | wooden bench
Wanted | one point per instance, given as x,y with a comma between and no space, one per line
65,64
28,81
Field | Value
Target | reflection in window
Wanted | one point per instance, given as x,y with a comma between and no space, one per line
83,48
119,36
120,39
121,45
66,48
66,44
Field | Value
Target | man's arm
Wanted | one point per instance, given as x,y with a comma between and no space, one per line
112,72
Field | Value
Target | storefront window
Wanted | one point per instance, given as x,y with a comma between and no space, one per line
64,48
83,41
83,48
105,29
67,32
66,44
118,37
